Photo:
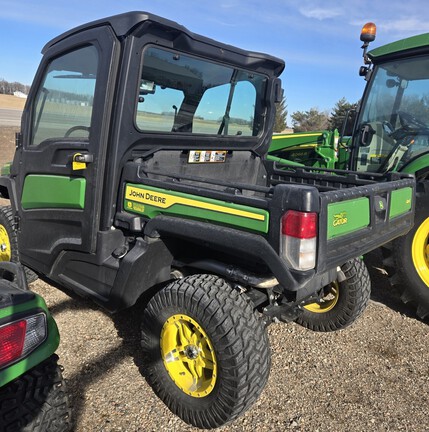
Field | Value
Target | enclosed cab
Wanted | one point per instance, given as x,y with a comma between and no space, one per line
141,172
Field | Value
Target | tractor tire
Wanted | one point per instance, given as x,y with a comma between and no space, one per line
36,401
342,302
9,241
207,352
406,259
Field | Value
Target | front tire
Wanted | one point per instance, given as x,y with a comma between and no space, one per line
207,351
9,241
342,302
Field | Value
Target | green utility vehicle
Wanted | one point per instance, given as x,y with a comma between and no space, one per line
140,172
390,134
32,389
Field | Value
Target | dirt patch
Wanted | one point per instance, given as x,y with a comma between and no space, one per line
11,102
7,144
372,376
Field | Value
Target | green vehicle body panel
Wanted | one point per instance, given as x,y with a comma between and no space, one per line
413,42
9,373
401,201
348,216
151,202
294,149
416,165
53,191
284,161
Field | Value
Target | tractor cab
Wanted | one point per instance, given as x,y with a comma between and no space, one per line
392,128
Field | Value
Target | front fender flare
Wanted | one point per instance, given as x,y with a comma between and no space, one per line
8,190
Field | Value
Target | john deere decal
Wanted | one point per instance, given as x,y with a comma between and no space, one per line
151,202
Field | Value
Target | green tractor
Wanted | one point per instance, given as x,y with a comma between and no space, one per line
390,132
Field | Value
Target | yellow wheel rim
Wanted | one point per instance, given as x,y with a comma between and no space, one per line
5,251
420,251
329,300
188,355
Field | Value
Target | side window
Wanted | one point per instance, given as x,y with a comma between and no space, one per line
64,101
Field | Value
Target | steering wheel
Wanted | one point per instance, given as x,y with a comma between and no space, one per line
403,136
76,128
407,120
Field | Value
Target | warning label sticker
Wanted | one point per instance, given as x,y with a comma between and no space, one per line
207,156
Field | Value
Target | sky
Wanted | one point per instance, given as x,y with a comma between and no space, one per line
319,40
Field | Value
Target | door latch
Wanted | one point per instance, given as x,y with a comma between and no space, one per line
81,160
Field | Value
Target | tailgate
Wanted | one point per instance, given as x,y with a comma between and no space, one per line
357,220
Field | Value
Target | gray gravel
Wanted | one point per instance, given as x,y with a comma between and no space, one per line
372,376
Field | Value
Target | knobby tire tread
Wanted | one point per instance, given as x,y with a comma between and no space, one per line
239,339
355,293
398,261
36,401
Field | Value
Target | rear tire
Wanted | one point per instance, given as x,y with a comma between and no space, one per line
409,262
9,241
342,302
207,351
36,401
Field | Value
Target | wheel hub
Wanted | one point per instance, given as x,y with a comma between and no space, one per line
5,252
420,251
188,355
191,352
328,301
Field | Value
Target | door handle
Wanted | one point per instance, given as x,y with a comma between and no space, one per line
80,160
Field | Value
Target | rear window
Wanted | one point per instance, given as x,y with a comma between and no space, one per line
183,94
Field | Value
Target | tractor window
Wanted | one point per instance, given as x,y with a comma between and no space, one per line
63,105
181,94
395,112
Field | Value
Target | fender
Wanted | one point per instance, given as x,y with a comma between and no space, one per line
417,165
8,190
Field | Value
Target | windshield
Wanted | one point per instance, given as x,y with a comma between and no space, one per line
394,118
179,93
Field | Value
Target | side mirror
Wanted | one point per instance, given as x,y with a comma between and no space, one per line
278,91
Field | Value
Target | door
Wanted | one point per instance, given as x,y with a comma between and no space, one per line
60,165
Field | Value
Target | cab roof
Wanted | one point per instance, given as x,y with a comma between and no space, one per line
413,45
126,24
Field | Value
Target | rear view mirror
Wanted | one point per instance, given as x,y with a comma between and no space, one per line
147,87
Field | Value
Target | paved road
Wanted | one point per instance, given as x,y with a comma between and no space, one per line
10,117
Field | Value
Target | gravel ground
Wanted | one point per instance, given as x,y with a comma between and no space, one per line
372,376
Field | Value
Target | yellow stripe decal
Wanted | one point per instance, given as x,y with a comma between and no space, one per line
163,200
276,137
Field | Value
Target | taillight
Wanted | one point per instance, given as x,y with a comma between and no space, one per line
298,243
20,338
